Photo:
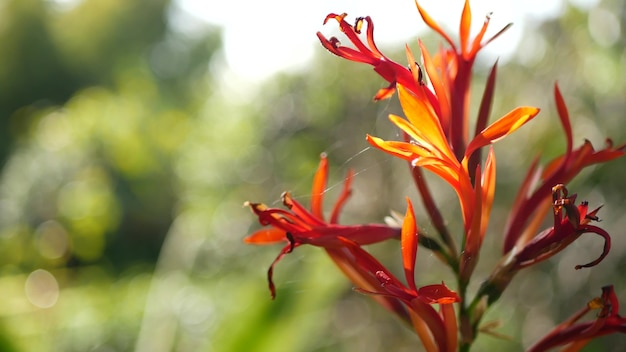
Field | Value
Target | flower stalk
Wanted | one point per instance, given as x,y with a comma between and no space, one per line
435,99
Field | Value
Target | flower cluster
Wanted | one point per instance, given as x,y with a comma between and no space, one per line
435,99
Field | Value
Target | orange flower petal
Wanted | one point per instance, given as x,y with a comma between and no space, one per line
439,85
489,189
420,113
409,245
432,24
502,128
393,148
319,187
266,236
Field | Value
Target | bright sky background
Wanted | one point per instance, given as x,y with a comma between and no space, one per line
263,37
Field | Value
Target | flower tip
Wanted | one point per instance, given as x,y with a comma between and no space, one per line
385,93
338,18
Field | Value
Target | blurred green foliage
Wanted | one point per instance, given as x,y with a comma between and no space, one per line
126,160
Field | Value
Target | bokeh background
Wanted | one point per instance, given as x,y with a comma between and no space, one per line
128,146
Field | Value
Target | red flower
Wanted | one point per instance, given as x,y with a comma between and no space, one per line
577,335
449,72
437,330
298,226
438,117
389,70
530,207
570,222
430,149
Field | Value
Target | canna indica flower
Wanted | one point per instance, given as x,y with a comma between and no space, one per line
430,149
297,226
570,222
574,336
530,206
436,106
448,72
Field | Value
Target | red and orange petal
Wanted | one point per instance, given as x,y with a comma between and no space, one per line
300,212
423,123
319,187
561,108
409,241
440,86
464,28
577,335
267,236
433,25
488,190
506,125
419,156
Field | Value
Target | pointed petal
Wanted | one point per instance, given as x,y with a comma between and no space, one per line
319,187
350,32
370,37
278,218
409,245
476,43
424,119
487,99
343,197
385,93
564,117
416,71
501,128
399,149
432,24
464,30
489,190
302,215
266,236
439,85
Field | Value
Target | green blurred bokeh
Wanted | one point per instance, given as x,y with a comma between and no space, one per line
126,159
